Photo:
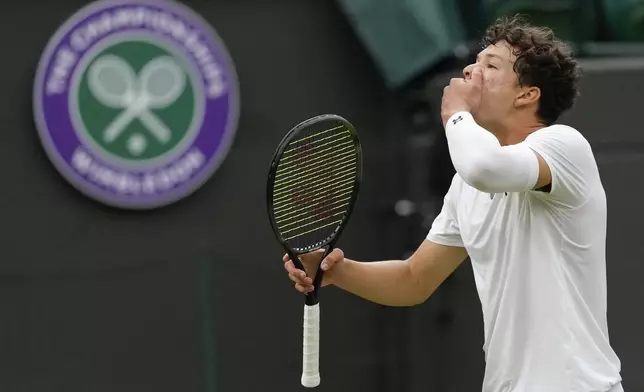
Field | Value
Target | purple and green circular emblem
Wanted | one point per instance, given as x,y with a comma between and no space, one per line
136,102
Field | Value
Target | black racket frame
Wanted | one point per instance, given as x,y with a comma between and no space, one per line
330,241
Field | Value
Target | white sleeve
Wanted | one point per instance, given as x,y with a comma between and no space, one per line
483,163
571,161
445,229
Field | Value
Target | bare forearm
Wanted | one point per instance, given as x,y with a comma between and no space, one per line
392,283
388,283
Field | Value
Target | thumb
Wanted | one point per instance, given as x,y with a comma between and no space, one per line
334,257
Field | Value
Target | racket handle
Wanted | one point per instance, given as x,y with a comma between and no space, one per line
311,346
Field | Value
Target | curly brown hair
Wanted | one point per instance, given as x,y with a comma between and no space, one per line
542,61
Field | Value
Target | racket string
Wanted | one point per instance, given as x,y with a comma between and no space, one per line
313,187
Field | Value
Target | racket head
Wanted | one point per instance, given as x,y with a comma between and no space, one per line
313,183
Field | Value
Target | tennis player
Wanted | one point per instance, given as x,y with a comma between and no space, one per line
528,207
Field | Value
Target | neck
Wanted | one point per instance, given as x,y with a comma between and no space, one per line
514,132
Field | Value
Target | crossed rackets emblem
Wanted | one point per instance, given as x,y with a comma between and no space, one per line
159,84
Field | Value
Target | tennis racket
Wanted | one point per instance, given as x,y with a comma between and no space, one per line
312,187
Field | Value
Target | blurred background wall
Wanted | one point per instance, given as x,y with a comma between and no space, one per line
193,297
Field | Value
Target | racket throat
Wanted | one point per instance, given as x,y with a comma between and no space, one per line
317,281
312,298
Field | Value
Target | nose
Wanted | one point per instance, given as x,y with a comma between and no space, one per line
467,71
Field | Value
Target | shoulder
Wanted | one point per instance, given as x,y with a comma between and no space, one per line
571,161
562,145
559,135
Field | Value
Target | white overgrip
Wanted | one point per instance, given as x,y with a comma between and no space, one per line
311,347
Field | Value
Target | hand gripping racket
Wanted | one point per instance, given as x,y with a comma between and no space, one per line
312,186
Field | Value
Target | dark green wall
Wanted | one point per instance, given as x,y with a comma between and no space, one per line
193,297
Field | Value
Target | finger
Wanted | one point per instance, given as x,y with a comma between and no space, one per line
456,81
290,267
286,257
299,279
477,76
294,271
303,289
335,256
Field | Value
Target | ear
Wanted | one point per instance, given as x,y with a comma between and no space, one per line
527,96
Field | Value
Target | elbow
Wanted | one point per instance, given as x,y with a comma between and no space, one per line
420,291
420,297
420,300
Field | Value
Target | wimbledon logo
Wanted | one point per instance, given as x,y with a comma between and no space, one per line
136,102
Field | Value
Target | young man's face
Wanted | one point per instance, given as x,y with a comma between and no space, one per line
500,83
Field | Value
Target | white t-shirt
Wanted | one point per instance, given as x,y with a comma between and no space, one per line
540,270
